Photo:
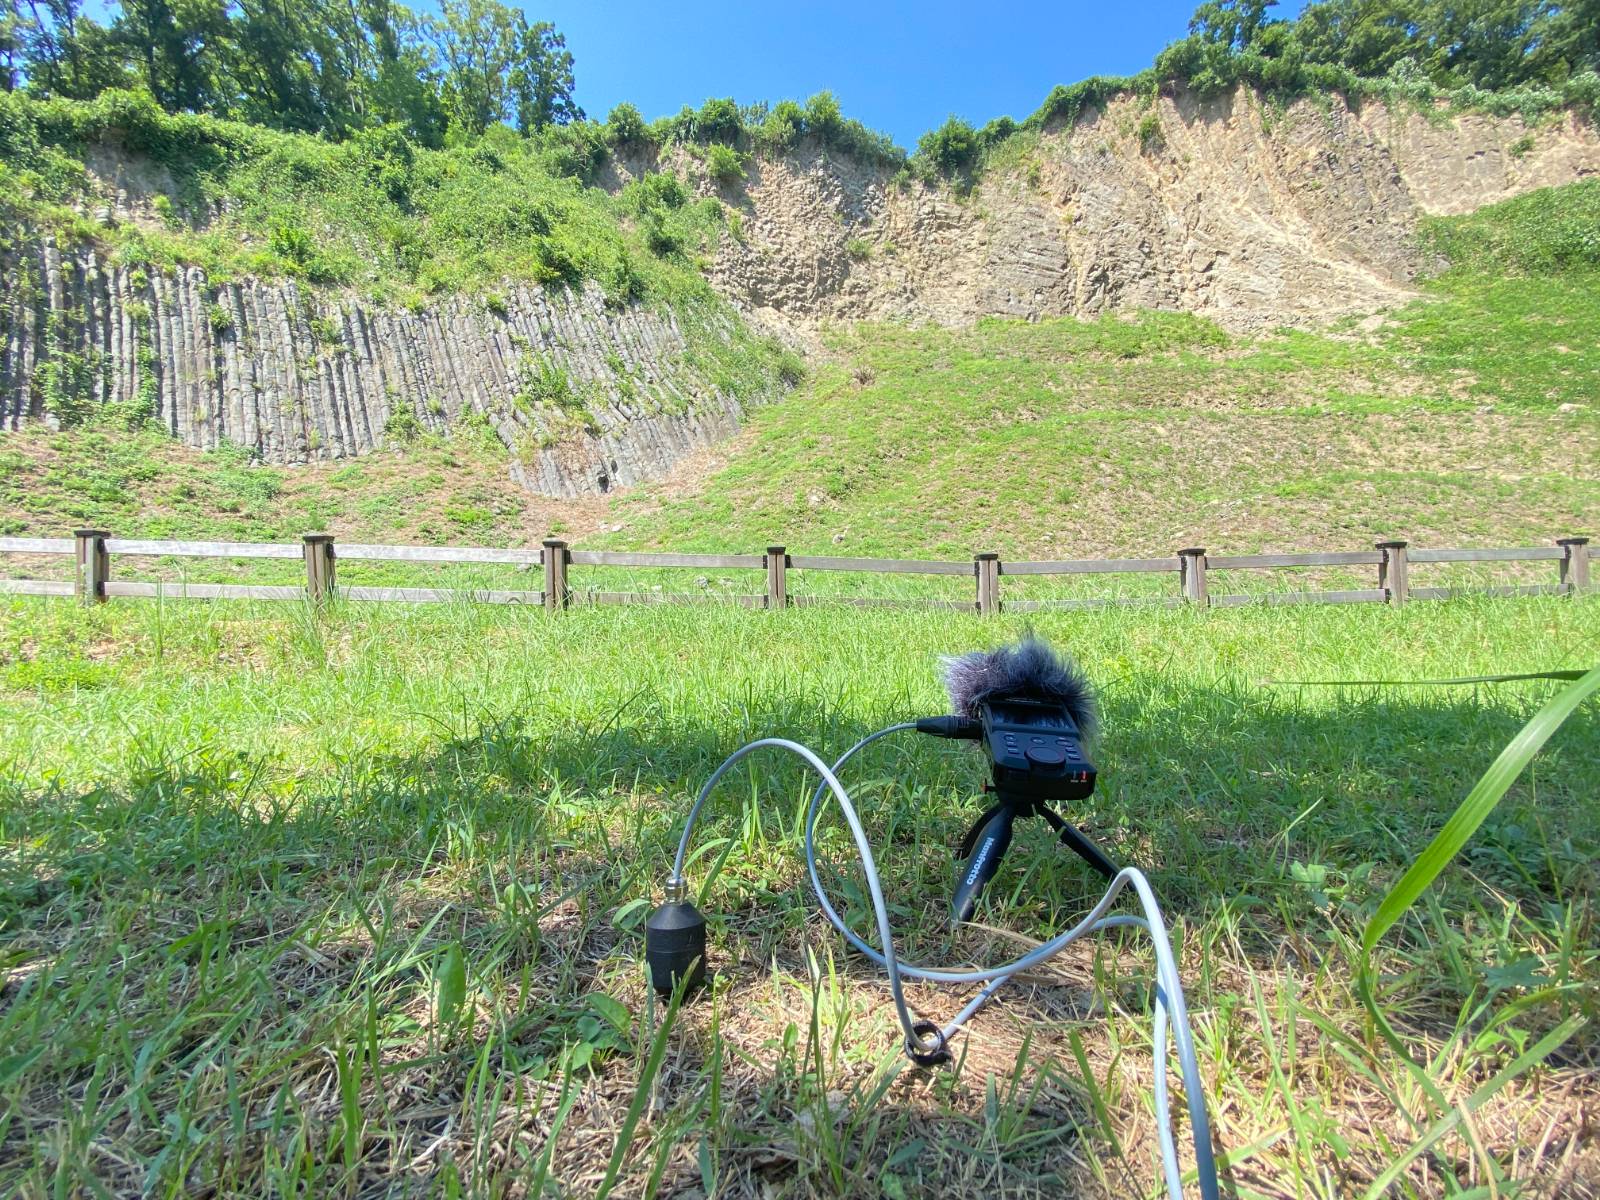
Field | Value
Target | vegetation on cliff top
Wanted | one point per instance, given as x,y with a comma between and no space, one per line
373,211
480,69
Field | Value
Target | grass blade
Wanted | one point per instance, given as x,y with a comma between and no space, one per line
641,1096
1480,802
1546,1046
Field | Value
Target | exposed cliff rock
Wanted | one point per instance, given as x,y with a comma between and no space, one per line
1250,214
584,396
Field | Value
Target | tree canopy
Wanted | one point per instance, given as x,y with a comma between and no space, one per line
1488,44
314,66
337,67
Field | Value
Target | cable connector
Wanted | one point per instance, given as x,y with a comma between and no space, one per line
951,727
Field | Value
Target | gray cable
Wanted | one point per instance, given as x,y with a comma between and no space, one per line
1170,1008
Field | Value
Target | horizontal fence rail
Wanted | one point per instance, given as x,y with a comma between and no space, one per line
92,549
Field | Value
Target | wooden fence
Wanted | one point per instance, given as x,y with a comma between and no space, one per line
93,549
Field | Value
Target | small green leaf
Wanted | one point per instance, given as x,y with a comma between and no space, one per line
452,985
630,914
708,1170
613,1010
1524,973
910,1152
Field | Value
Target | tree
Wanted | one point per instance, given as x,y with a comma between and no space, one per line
497,67
1367,36
1230,23
13,31
173,46
475,40
541,78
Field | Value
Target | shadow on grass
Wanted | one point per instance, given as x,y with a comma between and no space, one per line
202,955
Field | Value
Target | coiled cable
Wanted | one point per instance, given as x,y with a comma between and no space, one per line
924,1040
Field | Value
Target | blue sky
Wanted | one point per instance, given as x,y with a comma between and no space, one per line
897,67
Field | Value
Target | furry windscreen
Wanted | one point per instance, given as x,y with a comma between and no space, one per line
1030,670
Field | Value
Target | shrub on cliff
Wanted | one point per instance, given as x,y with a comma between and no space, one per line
724,164
950,151
626,127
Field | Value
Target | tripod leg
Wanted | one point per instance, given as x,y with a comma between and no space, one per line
1087,850
989,847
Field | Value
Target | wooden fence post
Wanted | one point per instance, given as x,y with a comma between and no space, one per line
777,562
94,565
1394,572
1575,564
318,549
986,569
1192,575
556,593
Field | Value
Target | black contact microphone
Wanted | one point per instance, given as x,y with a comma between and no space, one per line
1031,709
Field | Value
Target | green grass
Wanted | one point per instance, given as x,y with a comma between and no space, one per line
293,904
1140,435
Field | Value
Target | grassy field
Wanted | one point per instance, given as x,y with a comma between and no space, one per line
350,904
298,903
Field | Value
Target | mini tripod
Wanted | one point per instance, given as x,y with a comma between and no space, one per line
990,837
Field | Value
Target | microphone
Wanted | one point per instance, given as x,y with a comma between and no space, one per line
1029,671
1031,708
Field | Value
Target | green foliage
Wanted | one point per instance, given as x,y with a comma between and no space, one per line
717,121
378,212
950,151
858,248
724,164
1065,104
328,330
1547,232
625,127
67,381
542,383
314,65
784,126
577,150
1504,55
655,191
401,426
1151,138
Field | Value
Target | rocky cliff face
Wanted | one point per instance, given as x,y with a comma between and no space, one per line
1253,215
585,397
1248,213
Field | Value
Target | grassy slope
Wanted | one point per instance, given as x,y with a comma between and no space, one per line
376,214
1141,435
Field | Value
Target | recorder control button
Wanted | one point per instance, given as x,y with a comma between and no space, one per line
1046,756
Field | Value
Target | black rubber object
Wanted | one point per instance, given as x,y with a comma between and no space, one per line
675,946
938,1056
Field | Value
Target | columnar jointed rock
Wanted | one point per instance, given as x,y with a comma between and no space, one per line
585,398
